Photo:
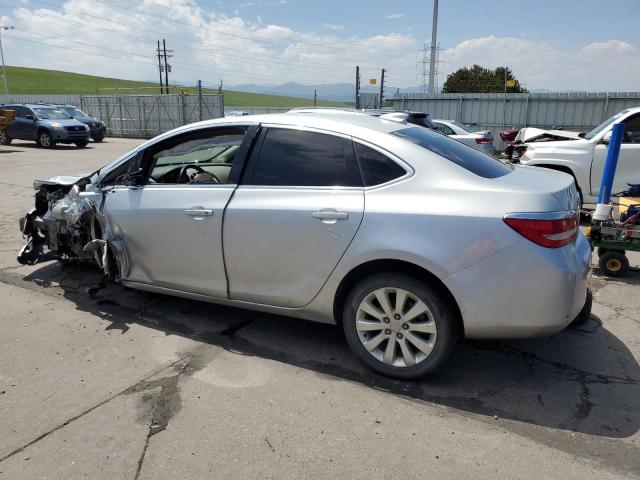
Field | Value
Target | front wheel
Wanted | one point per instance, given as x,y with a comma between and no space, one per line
45,140
5,138
82,143
399,326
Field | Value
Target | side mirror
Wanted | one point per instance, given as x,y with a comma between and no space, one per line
606,138
30,117
133,179
582,134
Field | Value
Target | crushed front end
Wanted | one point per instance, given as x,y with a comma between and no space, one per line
67,222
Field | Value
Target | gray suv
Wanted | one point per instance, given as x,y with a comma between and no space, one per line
46,125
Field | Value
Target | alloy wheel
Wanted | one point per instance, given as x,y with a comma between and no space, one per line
45,140
396,327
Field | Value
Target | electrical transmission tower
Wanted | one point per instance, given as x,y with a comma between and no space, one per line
424,72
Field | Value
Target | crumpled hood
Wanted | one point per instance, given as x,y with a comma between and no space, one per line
529,134
62,180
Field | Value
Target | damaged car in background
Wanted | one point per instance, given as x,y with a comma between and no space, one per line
532,134
403,237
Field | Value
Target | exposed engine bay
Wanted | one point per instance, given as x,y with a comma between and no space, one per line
67,220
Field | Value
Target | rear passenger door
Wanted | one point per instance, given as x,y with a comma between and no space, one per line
291,219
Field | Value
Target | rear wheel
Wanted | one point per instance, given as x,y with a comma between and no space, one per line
5,138
44,139
613,263
585,313
399,326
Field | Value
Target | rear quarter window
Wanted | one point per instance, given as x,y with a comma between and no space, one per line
376,167
462,155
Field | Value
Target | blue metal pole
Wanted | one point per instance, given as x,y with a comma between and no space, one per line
611,163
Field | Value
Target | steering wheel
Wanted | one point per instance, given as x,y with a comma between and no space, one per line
184,178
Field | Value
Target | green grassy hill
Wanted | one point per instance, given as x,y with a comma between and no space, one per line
29,81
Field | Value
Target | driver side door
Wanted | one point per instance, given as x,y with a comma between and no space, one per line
171,223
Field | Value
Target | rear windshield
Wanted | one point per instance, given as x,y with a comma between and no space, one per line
466,157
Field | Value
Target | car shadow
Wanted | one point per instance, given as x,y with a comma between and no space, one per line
582,380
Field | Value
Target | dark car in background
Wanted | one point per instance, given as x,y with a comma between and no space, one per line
45,124
97,127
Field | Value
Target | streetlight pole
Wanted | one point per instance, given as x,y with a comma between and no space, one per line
4,71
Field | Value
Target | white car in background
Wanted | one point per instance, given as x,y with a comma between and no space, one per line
482,140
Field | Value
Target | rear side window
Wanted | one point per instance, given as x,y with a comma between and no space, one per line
462,155
299,158
376,167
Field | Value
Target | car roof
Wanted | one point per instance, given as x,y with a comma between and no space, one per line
353,124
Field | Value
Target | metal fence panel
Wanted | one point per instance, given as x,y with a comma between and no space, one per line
58,99
145,116
495,111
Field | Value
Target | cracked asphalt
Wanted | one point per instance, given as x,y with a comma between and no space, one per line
131,385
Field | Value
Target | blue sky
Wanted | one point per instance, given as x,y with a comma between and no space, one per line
571,22
549,44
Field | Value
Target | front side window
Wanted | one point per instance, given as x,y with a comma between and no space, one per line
376,167
632,130
195,158
457,152
290,157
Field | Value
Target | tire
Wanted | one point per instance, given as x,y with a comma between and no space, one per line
44,139
98,139
585,313
5,138
613,263
435,333
82,143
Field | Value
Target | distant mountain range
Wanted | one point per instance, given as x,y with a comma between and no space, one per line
339,92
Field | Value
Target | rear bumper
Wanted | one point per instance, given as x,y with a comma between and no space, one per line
523,291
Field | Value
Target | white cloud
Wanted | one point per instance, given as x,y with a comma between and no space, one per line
393,16
332,26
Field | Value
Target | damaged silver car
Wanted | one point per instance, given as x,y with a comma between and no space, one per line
405,238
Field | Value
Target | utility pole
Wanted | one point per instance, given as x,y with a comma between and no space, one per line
160,67
434,48
382,88
4,71
200,100
167,66
315,98
357,87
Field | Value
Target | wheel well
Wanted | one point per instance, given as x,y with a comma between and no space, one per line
396,266
43,129
560,168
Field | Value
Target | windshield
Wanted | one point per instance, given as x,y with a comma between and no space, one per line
74,112
604,125
51,113
457,152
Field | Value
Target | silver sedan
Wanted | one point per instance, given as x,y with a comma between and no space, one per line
405,238
481,140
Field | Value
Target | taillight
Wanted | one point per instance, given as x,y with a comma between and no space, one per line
551,230
481,141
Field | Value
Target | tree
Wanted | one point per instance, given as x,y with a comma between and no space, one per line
479,79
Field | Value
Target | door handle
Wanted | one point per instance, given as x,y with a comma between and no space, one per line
330,215
199,212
